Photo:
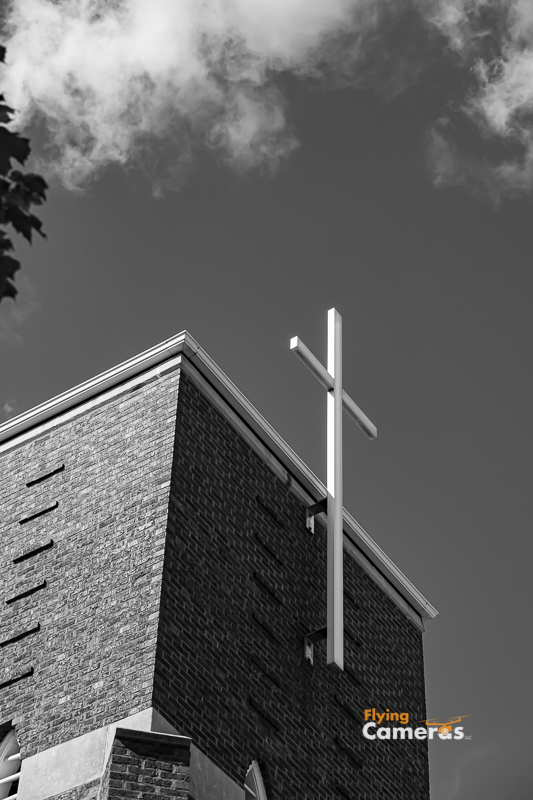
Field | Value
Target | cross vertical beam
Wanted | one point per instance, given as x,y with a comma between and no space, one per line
335,637
337,400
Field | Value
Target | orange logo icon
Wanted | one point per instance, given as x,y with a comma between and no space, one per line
444,727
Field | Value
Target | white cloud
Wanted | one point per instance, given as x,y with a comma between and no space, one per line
113,77
495,39
119,81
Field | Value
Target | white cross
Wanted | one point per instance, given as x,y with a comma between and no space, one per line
331,380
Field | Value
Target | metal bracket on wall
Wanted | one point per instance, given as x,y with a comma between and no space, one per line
311,511
310,640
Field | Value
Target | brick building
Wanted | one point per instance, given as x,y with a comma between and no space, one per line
159,579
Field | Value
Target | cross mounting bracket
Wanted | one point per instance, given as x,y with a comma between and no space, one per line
321,507
310,640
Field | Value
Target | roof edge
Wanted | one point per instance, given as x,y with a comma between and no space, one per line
95,386
184,343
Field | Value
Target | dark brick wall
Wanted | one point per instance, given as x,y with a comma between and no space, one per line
244,581
89,633
144,766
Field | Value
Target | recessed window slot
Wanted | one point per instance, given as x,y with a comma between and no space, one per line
344,793
261,667
352,637
352,676
348,710
17,678
266,628
26,593
269,511
266,589
19,636
268,549
351,598
36,550
348,752
47,475
262,714
39,513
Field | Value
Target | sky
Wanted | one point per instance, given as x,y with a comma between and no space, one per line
342,155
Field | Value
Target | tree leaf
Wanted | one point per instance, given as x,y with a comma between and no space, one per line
12,146
18,192
37,225
8,267
33,186
20,220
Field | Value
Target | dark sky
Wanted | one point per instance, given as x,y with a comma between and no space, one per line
434,286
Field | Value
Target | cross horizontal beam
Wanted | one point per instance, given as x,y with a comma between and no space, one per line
323,376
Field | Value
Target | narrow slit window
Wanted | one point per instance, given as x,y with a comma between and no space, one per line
39,513
46,475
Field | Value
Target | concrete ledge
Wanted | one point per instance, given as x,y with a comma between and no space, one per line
63,767
82,760
164,746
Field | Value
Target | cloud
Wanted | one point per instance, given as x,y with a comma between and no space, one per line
153,82
14,313
10,409
494,39
113,78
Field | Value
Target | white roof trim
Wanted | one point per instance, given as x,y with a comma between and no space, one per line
185,344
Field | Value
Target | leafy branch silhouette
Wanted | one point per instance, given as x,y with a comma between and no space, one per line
18,193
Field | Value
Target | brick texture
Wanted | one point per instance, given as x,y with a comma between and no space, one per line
140,766
244,581
181,574
93,654
145,766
